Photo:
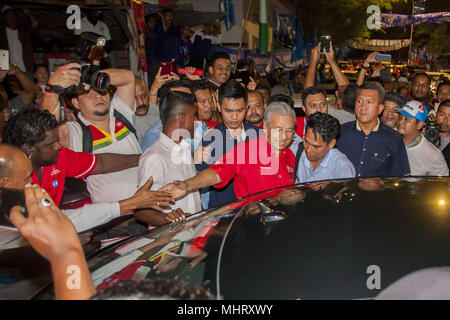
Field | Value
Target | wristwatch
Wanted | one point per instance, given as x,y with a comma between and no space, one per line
54,89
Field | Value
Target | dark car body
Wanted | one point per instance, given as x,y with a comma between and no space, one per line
345,239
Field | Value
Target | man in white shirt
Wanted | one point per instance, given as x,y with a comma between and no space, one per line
424,158
92,23
110,122
170,159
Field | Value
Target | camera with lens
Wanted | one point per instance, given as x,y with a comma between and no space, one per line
89,48
432,130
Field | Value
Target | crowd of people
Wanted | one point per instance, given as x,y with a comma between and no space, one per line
191,142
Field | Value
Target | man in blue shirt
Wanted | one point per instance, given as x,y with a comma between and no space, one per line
233,100
374,149
320,160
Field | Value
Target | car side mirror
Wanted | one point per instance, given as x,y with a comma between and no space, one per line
269,215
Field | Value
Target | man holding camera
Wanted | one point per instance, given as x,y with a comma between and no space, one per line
424,158
109,121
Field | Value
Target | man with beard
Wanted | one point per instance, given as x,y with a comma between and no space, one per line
255,112
147,114
16,170
105,124
390,117
35,132
420,89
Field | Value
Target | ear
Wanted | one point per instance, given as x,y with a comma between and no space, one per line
210,70
303,108
75,103
332,144
380,108
29,150
419,125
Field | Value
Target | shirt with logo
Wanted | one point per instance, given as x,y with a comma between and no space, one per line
255,167
70,164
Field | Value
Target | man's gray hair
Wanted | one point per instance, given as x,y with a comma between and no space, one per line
280,108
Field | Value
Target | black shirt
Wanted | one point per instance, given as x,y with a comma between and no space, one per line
382,153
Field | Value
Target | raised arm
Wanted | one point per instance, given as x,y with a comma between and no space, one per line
54,237
362,74
339,76
64,77
124,82
29,92
311,74
112,162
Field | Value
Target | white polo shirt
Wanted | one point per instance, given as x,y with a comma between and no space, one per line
426,160
114,186
166,162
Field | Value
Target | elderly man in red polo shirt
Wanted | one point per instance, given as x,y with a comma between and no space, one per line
256,165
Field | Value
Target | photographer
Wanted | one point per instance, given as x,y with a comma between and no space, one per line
424,158
105,124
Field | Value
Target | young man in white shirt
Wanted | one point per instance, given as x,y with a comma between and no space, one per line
424,158
170,158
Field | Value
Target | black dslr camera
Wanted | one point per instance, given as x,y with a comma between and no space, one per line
89,47
432,130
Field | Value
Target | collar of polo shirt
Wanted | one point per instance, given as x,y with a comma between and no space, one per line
374,129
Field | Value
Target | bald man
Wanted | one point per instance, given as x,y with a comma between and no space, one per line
15,173
15,167
147,113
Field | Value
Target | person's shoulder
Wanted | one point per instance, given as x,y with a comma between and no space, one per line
249,126
337,155
429,147
348,126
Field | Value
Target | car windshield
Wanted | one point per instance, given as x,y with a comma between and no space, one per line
295,240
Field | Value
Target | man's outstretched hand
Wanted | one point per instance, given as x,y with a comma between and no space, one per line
157,200
177,189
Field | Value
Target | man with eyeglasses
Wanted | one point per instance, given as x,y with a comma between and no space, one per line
233,104
256,165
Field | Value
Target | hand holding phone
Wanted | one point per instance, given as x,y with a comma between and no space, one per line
325,43
167,67
4,60
383,57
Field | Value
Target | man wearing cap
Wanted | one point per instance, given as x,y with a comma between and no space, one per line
424,158
390,117
374,149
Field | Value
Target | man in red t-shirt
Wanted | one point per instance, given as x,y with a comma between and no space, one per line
256,165
36,133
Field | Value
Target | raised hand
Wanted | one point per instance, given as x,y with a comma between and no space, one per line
46,228
66,75
251,84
